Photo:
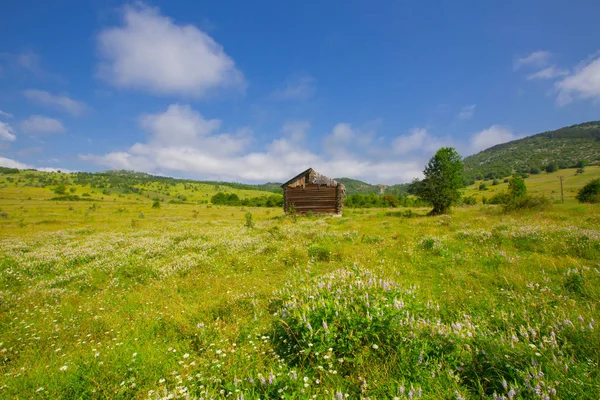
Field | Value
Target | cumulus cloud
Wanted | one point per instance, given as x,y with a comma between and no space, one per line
300,87
7,132
41,124
492,136
60,102
536,59
180,140
418,140
582,83
10,163
151,52
467,112
548,73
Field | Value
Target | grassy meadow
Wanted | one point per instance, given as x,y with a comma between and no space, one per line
114,298
543,184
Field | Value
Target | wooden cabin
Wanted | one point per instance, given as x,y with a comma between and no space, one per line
311,191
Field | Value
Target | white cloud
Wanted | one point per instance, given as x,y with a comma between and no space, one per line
10,163
467,112
150,52
296,130
297,88
5,114
41,124
417,140
548,73
180,140
583,83
64,103
492,136
29,60
535,59
7,132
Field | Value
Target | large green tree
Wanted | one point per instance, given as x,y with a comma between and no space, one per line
443,181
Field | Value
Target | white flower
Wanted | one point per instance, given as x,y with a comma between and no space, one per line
375,346
186,355
40,389
63,368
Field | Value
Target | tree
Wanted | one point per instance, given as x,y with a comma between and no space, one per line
517,187
443,181
590,193
552,167
61,188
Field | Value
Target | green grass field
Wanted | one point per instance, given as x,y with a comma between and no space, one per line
543,184
113,298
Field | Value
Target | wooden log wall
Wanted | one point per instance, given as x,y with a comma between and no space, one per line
318,199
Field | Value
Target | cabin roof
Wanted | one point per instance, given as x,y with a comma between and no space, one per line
315,178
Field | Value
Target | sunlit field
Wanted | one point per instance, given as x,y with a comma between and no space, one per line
115,298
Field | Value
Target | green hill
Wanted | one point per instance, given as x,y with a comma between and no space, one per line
565,147
354,186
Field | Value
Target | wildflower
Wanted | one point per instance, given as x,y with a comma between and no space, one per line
186,355
375,346
63,368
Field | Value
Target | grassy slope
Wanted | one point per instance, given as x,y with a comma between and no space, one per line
132,309
566,145
543,184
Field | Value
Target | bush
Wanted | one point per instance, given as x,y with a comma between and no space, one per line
156,204
483,186
61,188
517,187
495,182
590,193
527,202
500,198
469,201
342,315
249,222
552,167
534,171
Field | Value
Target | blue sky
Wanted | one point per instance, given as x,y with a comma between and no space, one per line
259,91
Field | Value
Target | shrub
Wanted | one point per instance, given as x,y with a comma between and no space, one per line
500,198
552,167
517,187
249,222
469,201
156,204
341,315
61,188
590,193
483,186
495,182
527,202
534,171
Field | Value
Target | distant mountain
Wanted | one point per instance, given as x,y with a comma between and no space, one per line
125,177
565,147
354,186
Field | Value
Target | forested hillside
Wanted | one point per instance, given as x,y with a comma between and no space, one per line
566,147
354,186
